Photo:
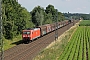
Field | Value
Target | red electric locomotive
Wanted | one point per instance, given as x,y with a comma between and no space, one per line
30,34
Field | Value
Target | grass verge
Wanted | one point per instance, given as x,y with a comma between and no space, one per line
11,43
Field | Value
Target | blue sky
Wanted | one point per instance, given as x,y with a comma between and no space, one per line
64,6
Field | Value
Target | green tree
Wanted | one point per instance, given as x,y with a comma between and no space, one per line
48,19
15,18
37,15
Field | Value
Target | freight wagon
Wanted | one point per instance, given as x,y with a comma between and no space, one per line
43,30
48,28
52,26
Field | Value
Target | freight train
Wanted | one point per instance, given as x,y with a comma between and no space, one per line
32,33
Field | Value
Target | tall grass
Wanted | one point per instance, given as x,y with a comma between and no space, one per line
10,43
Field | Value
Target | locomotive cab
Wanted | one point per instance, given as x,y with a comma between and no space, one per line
26,35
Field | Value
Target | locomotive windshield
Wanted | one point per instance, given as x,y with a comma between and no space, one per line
25,32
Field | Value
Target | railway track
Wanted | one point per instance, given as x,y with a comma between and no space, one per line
29,51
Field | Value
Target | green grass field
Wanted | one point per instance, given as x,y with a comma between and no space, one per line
79,46
85,23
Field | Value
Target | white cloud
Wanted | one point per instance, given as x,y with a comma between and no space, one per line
68,0
84,7
79,8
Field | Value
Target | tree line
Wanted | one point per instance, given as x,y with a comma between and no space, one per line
16,18
76,16
41,16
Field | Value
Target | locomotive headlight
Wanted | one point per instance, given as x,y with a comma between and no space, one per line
28,35
23,35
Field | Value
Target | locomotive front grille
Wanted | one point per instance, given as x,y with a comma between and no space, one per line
26,38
